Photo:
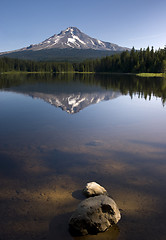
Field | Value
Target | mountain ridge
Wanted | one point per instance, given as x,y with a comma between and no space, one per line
72,37
69,39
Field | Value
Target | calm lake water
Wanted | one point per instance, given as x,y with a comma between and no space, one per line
59,132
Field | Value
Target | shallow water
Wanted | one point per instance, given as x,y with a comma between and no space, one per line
59,132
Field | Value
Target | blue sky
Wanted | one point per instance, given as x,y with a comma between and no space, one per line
138,23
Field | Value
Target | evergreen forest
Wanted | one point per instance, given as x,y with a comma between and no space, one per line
134,61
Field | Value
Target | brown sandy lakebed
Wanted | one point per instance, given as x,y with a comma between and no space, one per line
37,201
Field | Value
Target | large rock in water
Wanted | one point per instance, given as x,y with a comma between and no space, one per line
94,189
94,215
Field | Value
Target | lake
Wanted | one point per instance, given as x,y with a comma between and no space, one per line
59,132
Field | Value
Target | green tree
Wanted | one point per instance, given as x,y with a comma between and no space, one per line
164,66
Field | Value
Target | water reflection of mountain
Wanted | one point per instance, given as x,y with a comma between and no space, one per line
71,96
73,103
77,91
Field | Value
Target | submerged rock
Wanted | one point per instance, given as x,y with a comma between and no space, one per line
94,189
94,215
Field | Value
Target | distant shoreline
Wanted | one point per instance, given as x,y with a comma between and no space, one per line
75,72
151,74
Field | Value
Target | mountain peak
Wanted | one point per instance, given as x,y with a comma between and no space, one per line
72,37
60,45
72,29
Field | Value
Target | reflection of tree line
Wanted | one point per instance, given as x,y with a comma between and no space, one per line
130,84
126,84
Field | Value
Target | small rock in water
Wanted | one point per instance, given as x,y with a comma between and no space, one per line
94,189
94,215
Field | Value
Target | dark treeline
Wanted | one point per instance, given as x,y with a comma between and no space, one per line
147,61
10,64
134,61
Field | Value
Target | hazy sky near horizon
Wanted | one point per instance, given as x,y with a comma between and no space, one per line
138,23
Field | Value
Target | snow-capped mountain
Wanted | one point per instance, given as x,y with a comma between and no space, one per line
72,38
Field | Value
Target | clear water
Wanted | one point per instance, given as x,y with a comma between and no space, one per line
59,132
